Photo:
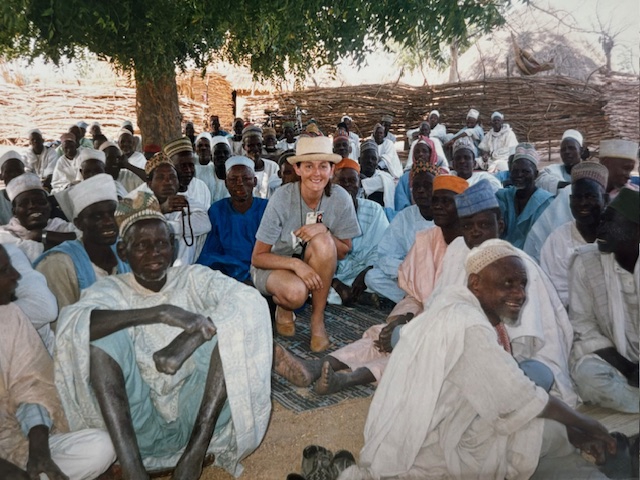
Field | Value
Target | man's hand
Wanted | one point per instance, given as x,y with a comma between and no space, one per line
383,344
188,321
307,232
594,441
174,203
308,275
40,457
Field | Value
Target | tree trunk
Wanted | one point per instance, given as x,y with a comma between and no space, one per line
453,69
157,107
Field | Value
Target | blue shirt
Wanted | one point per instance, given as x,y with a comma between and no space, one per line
517,226
230,242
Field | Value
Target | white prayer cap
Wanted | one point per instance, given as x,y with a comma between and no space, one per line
32,131
90,153
123,131
473,113
497,114
98,188
574,134
9,155
23,183
435,112
127,123
82,124
487,253
346,117
219,139
623,149
108,144
95,124
206,135
239,160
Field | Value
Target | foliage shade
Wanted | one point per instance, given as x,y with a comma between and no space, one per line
272,37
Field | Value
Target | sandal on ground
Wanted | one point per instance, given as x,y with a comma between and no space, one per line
285,328
342,460
317,463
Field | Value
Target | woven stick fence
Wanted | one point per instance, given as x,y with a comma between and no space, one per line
538,109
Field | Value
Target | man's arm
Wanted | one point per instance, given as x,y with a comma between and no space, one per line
106,322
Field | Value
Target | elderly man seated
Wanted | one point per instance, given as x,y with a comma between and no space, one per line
497,144
173,361
523,202
604,288
453,402
180,152
31,227
234,222
34,437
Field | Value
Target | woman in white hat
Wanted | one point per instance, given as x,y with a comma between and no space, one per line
307,226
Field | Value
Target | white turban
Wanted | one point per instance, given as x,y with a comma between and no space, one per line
23,183
108,144
8,156
89,154
32,131
98,188
574,134
206,135
473,113
487,253
435,112
497,114
82,124
239,160
219,139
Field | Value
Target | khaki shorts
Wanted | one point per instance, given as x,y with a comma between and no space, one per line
260,277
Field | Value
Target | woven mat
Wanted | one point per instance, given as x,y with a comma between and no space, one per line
344,325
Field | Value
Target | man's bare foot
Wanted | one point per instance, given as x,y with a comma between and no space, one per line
299,372
329,381
171,358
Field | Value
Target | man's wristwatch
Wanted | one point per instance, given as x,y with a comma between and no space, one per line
44,237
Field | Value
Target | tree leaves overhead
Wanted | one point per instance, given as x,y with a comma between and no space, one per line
272,37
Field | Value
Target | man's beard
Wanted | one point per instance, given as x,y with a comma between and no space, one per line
510,322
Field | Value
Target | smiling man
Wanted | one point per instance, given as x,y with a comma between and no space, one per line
31,228
235,221
75,265
173,361
453,402
523,202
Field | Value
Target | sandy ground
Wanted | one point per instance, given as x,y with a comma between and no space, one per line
336,428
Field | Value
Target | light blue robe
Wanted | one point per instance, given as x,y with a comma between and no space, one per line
516,227
392,249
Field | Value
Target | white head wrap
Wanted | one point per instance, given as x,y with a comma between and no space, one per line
473,113
574,134
123,131
98,188
206,135
239,160
9,155
32,131
346,117
623,149
219,139
435,112
89,154
23,183
108,144
127,123
82,124
487,253
497,114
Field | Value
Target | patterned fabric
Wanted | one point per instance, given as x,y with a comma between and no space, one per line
142,206
527,151
503,337
490,251
450,182
592,171
179,145
155,161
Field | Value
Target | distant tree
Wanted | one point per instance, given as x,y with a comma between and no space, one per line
151,38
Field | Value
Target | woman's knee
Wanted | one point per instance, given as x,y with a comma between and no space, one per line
323,246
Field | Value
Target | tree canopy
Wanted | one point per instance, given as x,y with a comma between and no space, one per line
150,39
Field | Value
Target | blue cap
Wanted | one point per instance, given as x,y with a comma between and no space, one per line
476,198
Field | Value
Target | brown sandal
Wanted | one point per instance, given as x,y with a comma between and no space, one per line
285,328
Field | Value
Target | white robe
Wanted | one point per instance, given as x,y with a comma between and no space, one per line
499,145
556,255
43,164
381,181
389,157
262,188
216,186
543,332
244,335
452,402
16,234
64,173
549,177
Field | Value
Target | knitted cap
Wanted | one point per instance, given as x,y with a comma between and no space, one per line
179,145
251,131
143,206
527,151
153,163
477,198
464,143
487,253
591,170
